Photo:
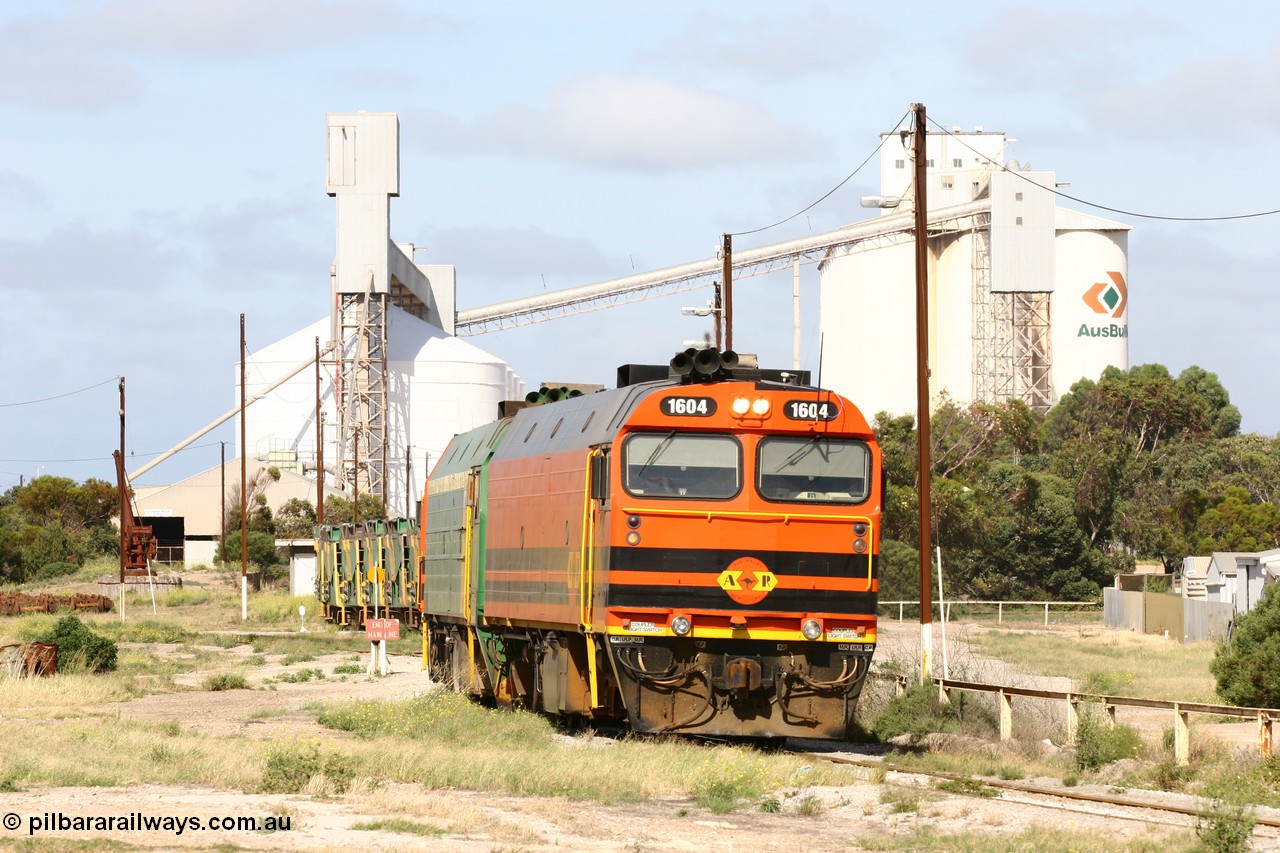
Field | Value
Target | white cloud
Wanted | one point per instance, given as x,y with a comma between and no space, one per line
88,55
791,42
626,122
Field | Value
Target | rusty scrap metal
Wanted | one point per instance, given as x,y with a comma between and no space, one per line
17,603
28,660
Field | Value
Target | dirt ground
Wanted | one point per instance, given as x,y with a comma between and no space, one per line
851,817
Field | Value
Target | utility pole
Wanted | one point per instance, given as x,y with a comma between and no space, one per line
223,480
124,509
319,443
924,479
244,492
726,275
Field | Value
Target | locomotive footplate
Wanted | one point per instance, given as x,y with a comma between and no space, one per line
737,688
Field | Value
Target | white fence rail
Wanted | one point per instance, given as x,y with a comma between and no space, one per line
1000,606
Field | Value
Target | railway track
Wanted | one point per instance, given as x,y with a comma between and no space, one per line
1152,807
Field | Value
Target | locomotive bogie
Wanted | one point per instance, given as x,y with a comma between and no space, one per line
739,688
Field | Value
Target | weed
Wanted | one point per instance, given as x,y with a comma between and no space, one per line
185,597
147,632
402,826
770,805
347,669
1098,744
1225,827
967,788
290,768
225,681
900,802
1170,776
297,657
918,712
718,795
300,676
810,807
1070,780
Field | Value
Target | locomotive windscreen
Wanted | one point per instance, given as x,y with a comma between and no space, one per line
818,469
671,465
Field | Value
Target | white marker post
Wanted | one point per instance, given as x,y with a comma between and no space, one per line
302,614
379,630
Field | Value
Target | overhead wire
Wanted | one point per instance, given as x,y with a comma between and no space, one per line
1092,204
60,396
829,192
107,458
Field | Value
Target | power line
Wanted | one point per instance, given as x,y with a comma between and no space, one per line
829,192
1120,211
108,458
60,396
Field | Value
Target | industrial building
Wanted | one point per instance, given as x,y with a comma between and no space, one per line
1025,296
393,383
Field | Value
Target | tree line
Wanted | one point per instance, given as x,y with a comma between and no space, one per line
1136,466
52,526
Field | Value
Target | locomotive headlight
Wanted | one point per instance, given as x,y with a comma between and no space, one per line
633,538
812,629
859,546
760,406
860,529
741,405
681,625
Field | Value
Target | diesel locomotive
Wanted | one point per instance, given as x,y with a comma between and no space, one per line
692,552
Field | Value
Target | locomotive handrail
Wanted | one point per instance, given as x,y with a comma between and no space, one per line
709,514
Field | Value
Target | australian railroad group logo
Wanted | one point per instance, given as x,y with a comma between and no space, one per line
747,580
1109,299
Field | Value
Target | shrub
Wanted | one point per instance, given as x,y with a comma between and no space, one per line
56,570
290,767
918,712
80,648
1225,827
1247,667
1098,744
225,681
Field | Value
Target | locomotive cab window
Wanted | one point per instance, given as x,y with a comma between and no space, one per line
817,469
675,465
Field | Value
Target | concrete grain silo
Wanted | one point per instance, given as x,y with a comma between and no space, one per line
1025,297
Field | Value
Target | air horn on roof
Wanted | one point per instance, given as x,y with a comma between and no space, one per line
703,365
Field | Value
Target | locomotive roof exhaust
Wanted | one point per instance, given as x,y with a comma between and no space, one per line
703,365
709,364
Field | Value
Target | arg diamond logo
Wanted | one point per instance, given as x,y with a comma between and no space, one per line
1108,297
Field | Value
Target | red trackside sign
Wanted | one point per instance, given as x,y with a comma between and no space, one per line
381,629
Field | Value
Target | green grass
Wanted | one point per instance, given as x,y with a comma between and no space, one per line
442,740
401,826
1109,662
225,681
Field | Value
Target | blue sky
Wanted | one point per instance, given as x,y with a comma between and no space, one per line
162,171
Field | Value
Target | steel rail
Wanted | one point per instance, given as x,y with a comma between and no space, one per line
1029,788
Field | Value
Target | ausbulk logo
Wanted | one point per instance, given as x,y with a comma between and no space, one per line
1108,298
